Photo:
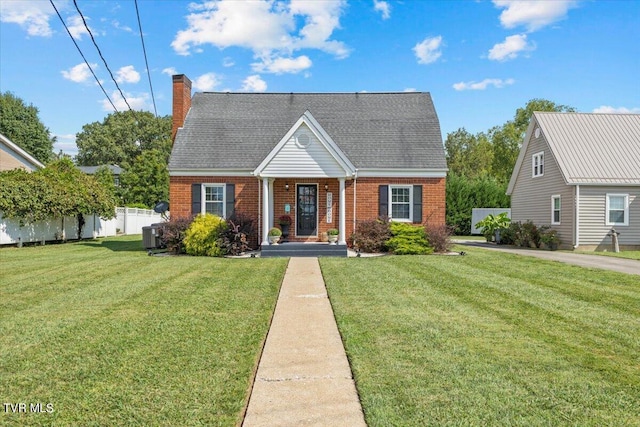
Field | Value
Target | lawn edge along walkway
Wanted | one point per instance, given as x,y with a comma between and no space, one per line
303,376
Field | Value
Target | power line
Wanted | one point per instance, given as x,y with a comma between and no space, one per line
83,57
101,56
144,51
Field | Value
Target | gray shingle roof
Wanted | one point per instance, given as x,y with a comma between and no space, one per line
594,148
374,130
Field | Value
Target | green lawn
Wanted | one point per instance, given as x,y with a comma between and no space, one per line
488,339
110,336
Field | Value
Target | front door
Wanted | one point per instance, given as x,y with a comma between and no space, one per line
307,210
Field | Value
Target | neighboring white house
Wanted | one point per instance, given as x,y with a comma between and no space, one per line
14,157
580,174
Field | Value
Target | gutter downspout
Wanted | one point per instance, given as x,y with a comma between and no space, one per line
577,221
355,182
259,212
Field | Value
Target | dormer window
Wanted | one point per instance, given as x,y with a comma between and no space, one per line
537,164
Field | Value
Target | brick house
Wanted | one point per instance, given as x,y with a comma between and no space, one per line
328,160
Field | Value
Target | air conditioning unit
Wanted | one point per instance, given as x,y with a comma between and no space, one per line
151,238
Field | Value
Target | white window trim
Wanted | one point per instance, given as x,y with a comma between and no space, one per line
390,198
553,209
540,157
626,209
203,198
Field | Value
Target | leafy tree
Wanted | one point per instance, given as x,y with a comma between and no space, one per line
146,181
467,154
20,123
58,190
121,137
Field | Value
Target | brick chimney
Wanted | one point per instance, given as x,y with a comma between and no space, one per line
181,102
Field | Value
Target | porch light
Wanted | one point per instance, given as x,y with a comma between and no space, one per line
326,187
286,186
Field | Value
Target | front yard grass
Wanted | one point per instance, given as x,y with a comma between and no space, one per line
110,336
488,339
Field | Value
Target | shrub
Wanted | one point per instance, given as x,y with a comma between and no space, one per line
524,234
439,237
173,232
371,235
235,239
275,232
202,237
408,240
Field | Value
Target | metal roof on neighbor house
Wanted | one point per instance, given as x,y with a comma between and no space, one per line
374,130
593,148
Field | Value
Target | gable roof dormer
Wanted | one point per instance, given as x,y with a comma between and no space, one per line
306,150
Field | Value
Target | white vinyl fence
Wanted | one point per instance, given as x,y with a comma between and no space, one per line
127,221
478,214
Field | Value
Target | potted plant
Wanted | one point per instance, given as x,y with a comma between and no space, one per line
274,235
550,239
332,235
285,222
493,225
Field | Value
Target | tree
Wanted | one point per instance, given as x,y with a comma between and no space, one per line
59,190
146,181
121,137
467,154
20,123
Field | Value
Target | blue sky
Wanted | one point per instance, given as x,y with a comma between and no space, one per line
480,60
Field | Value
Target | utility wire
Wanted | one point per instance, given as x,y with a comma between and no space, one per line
83,57
144,51
102,57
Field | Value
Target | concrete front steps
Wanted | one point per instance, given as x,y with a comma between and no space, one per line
293,249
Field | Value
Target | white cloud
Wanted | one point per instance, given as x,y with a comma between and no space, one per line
498,83
532,14
127,74
76,27
65,143
171,71
410,89
282,65
254,84
616,110
270,28
228,62
117,25
136,102
79,74
383,7
510,48
206,82
428,50
33,16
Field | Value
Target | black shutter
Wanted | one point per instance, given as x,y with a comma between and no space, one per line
230,199
383,201
417,204
196,198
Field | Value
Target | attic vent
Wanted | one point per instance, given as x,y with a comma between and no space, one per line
537,132
303,140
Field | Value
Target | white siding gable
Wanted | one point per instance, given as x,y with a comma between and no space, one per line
306,152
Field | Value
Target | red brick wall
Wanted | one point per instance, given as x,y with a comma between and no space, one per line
247,191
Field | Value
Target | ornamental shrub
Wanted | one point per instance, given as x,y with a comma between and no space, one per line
202,236
173,233
439,237
371,236
239,233
408,240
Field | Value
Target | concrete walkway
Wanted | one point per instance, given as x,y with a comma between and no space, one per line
621,265
303,377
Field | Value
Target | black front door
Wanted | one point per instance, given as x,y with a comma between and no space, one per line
307,210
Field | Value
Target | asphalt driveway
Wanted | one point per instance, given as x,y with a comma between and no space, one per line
621,265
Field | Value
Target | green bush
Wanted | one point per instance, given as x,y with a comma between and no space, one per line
408,240
203,236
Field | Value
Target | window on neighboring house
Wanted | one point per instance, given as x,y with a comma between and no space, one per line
214,199
537,164
556,205
400,208
617,209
